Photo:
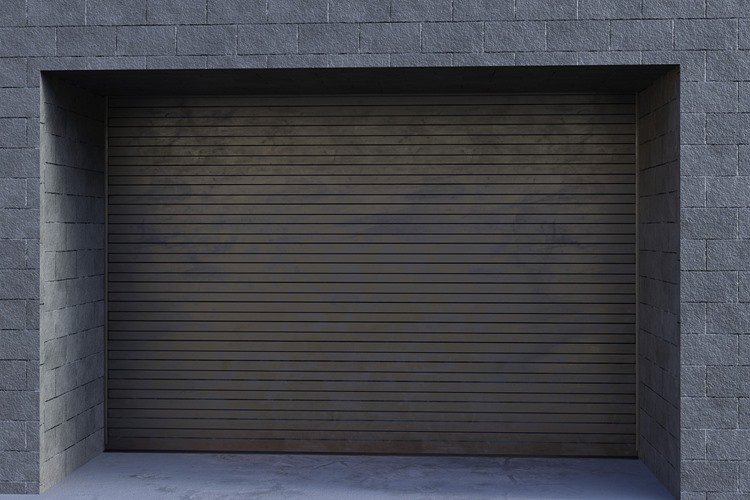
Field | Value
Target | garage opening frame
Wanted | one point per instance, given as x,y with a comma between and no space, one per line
73,226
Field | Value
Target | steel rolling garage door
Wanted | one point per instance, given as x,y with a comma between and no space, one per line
393,273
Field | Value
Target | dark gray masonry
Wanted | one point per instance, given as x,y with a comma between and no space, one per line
693,189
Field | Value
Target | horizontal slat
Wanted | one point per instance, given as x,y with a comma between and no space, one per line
364,149
395,170
390,366
436,406
546,127
362,386
395,268
424,249
371,327
374,238
457,180
374,446
344,200
389,219
144,319
372,160
374,376
541,437
203,297
509,292
333,258
387,140
357,426
370,99
329,352
453,418
346,445
457,111
544,399
373,190
235,309
342,345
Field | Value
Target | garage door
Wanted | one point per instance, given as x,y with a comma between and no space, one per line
397,274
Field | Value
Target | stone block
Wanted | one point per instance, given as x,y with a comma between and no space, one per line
86,41
728,444
709,413
328,38
484,59
693,191
410,60
421,10
706,34
712,97
13,13
609,9
358,60
56,12
12,71
653,34
452,37
514,36
726,8
27,41
206,40
728,255
577,35
546,10
727,66
692,128
709,475
176,12
728,191
709,160
482,10
116,12
692,62
605,57
384,38
728,381
297,11
668,9
19,405
351,11
709,349
235,11
18,465
728,318
693,444
709,223
693,380
145,40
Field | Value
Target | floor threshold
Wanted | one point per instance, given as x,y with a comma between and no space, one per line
137,476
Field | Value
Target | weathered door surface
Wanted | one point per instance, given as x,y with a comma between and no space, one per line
393,273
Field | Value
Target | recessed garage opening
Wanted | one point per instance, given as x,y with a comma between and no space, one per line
392,261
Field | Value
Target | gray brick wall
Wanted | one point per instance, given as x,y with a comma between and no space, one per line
71,371
659,278
709,39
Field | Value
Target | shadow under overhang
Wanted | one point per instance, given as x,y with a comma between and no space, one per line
266,81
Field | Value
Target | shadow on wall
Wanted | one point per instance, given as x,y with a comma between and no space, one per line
72,150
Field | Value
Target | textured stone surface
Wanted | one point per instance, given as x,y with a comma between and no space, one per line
709,39
658,273
71,382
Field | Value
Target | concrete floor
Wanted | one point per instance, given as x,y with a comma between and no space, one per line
141,476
